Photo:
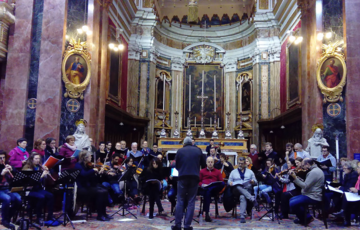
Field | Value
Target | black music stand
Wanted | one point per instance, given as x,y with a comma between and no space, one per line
125,203
270,210
26,179
66,178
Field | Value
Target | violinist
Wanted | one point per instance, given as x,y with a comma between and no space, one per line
134,154
268,176
224,166
37,192
153,172
214,155
7,197
121,150
111,179
88,186
131,183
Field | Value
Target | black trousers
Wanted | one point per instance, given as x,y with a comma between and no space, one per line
350,208
154,196
285,200
98,195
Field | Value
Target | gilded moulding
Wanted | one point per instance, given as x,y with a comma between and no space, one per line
331,73
76,69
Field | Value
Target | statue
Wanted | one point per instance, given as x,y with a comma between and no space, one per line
81,138
315,143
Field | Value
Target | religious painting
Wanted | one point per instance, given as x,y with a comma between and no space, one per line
115,69
244,92
162,91
203,83
293,71
76,69
331,73
245,97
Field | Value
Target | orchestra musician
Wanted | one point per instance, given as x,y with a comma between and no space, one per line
224,166
153,172
268,175
88,186
328,171
241,181
268,153
173,190
121,151
146,154
214,155
100,154
311,190
207,190
111,179
134,153
211,145
131,182
154,152
10,201
66,151
51,149
18,155
37,192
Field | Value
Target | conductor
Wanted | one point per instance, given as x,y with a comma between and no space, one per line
188,160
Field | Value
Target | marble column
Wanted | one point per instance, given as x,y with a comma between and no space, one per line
48,109
144,74
312,111
353,81
95,94
275,88
151,103
256,105
17,75
177,89
132,84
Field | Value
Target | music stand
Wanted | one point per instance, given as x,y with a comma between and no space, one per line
66,178
125,201
269,210
26,179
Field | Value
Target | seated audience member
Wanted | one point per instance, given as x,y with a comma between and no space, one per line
328,170
207,190
241,181
10,201
268,176
66,151
153,172
89,187
311,191
18,155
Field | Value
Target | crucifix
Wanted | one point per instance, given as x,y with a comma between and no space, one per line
202,132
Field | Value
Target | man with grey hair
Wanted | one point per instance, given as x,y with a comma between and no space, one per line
254,156
241,181
187,162
134,153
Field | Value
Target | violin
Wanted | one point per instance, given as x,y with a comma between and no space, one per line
98,165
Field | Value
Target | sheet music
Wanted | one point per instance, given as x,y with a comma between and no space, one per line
216,182
242,183
352,197
331,188
174,172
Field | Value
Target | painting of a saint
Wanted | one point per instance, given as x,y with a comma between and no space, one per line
76,69
331,76
245,97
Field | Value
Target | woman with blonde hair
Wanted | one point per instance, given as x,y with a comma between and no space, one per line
67,150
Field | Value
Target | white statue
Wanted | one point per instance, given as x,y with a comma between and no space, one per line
315,143
81,138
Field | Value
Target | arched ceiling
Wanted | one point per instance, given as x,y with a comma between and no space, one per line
215,12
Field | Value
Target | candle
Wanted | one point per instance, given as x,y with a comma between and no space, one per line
189,92
177,90
214,93
210,122
337,148
195,121
164,92
218,122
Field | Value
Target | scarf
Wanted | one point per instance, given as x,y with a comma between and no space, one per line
357,185
72,147
22,149
242,174
250,165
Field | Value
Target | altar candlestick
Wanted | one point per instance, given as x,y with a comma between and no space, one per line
218,122
214,93
177,90
164,92
195,121
189,93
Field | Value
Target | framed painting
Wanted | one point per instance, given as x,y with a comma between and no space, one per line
293,74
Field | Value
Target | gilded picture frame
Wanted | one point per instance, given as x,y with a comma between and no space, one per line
76,66
293,74
331,74
241,79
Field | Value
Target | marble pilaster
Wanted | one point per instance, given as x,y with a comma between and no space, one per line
132,86
230,100
144,74
17,75
95,94
49,94
353,81
256,105
264,92
151,104
275,89
177,89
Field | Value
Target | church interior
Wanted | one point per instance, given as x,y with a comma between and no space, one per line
239,72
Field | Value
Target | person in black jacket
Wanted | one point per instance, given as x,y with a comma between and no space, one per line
111,179
268,153
88,187
153,188
51,149
187,161
7,197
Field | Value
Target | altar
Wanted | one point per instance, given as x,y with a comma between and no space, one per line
230,147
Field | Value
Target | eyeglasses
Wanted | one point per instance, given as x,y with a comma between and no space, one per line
2,157
324,151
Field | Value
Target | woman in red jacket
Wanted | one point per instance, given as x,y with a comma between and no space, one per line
39,147
18,155
67,150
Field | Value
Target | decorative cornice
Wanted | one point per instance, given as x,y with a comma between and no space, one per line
304,5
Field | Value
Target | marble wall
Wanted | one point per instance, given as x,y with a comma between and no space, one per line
132,86
256,104
49,85
17,76
274,89
353,80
